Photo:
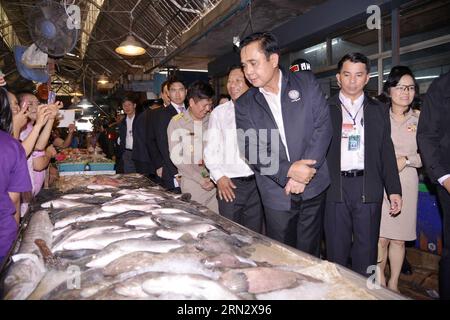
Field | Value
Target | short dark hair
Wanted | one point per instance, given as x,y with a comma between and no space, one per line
128,98
354,57
5,112
21,94
200,90
171,81
393,79
268,43
234,67
165,83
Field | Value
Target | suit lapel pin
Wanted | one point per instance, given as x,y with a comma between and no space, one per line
294,95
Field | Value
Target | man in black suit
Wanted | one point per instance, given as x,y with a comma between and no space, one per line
126,133
362,164
146,154
168,171
285,117
433,138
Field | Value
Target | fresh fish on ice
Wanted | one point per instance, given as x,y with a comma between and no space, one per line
103,194
39,227
196,286
76,196
83,217
193,229
82,234
142,222
126,205
227,260
23,276
121,248
100,187
61,203
262,279
167,211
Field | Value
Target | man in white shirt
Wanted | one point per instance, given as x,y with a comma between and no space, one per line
126,137
433,137
362,164
239,198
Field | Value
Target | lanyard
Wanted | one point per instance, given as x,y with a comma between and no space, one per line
348,112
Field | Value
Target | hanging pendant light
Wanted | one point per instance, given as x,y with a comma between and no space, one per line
130,47
103,79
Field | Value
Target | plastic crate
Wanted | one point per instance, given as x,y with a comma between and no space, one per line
99,166
66,167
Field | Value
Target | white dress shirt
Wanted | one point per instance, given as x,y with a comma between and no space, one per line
221,151
352,160
129,136
179,107
274,102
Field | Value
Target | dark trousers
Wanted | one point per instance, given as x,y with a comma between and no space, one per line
352,228
444,264
300,227
128,163
246,209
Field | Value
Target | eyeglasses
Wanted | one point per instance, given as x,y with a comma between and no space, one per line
405,88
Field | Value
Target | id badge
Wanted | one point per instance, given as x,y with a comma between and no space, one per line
354,142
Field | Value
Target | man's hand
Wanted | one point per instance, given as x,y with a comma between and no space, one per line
207,184
226,186
302,170
401,163
396,204
294,187
446,184
159,172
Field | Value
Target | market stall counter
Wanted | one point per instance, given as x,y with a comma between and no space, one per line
123,237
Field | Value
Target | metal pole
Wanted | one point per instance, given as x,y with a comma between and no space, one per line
329,52
395,36
380,58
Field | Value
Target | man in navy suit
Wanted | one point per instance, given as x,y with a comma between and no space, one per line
284,131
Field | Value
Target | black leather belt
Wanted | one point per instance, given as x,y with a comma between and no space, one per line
248,178
128,149
352,173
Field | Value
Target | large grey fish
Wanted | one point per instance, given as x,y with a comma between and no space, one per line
196,286
76,196
140,262
61,203
39,227
126,205
262,279
99,241
192,229
145,221
121,248
227,260
82,234
84,217
23,276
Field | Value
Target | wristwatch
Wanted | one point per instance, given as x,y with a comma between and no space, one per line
407,161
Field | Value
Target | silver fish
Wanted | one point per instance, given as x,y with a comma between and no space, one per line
126,205
98,242
23,276
145,221
193,229
39,227
100,187
196,286
61,203
84,217
121,248
76,196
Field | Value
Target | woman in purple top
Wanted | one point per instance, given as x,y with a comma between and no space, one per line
14,177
